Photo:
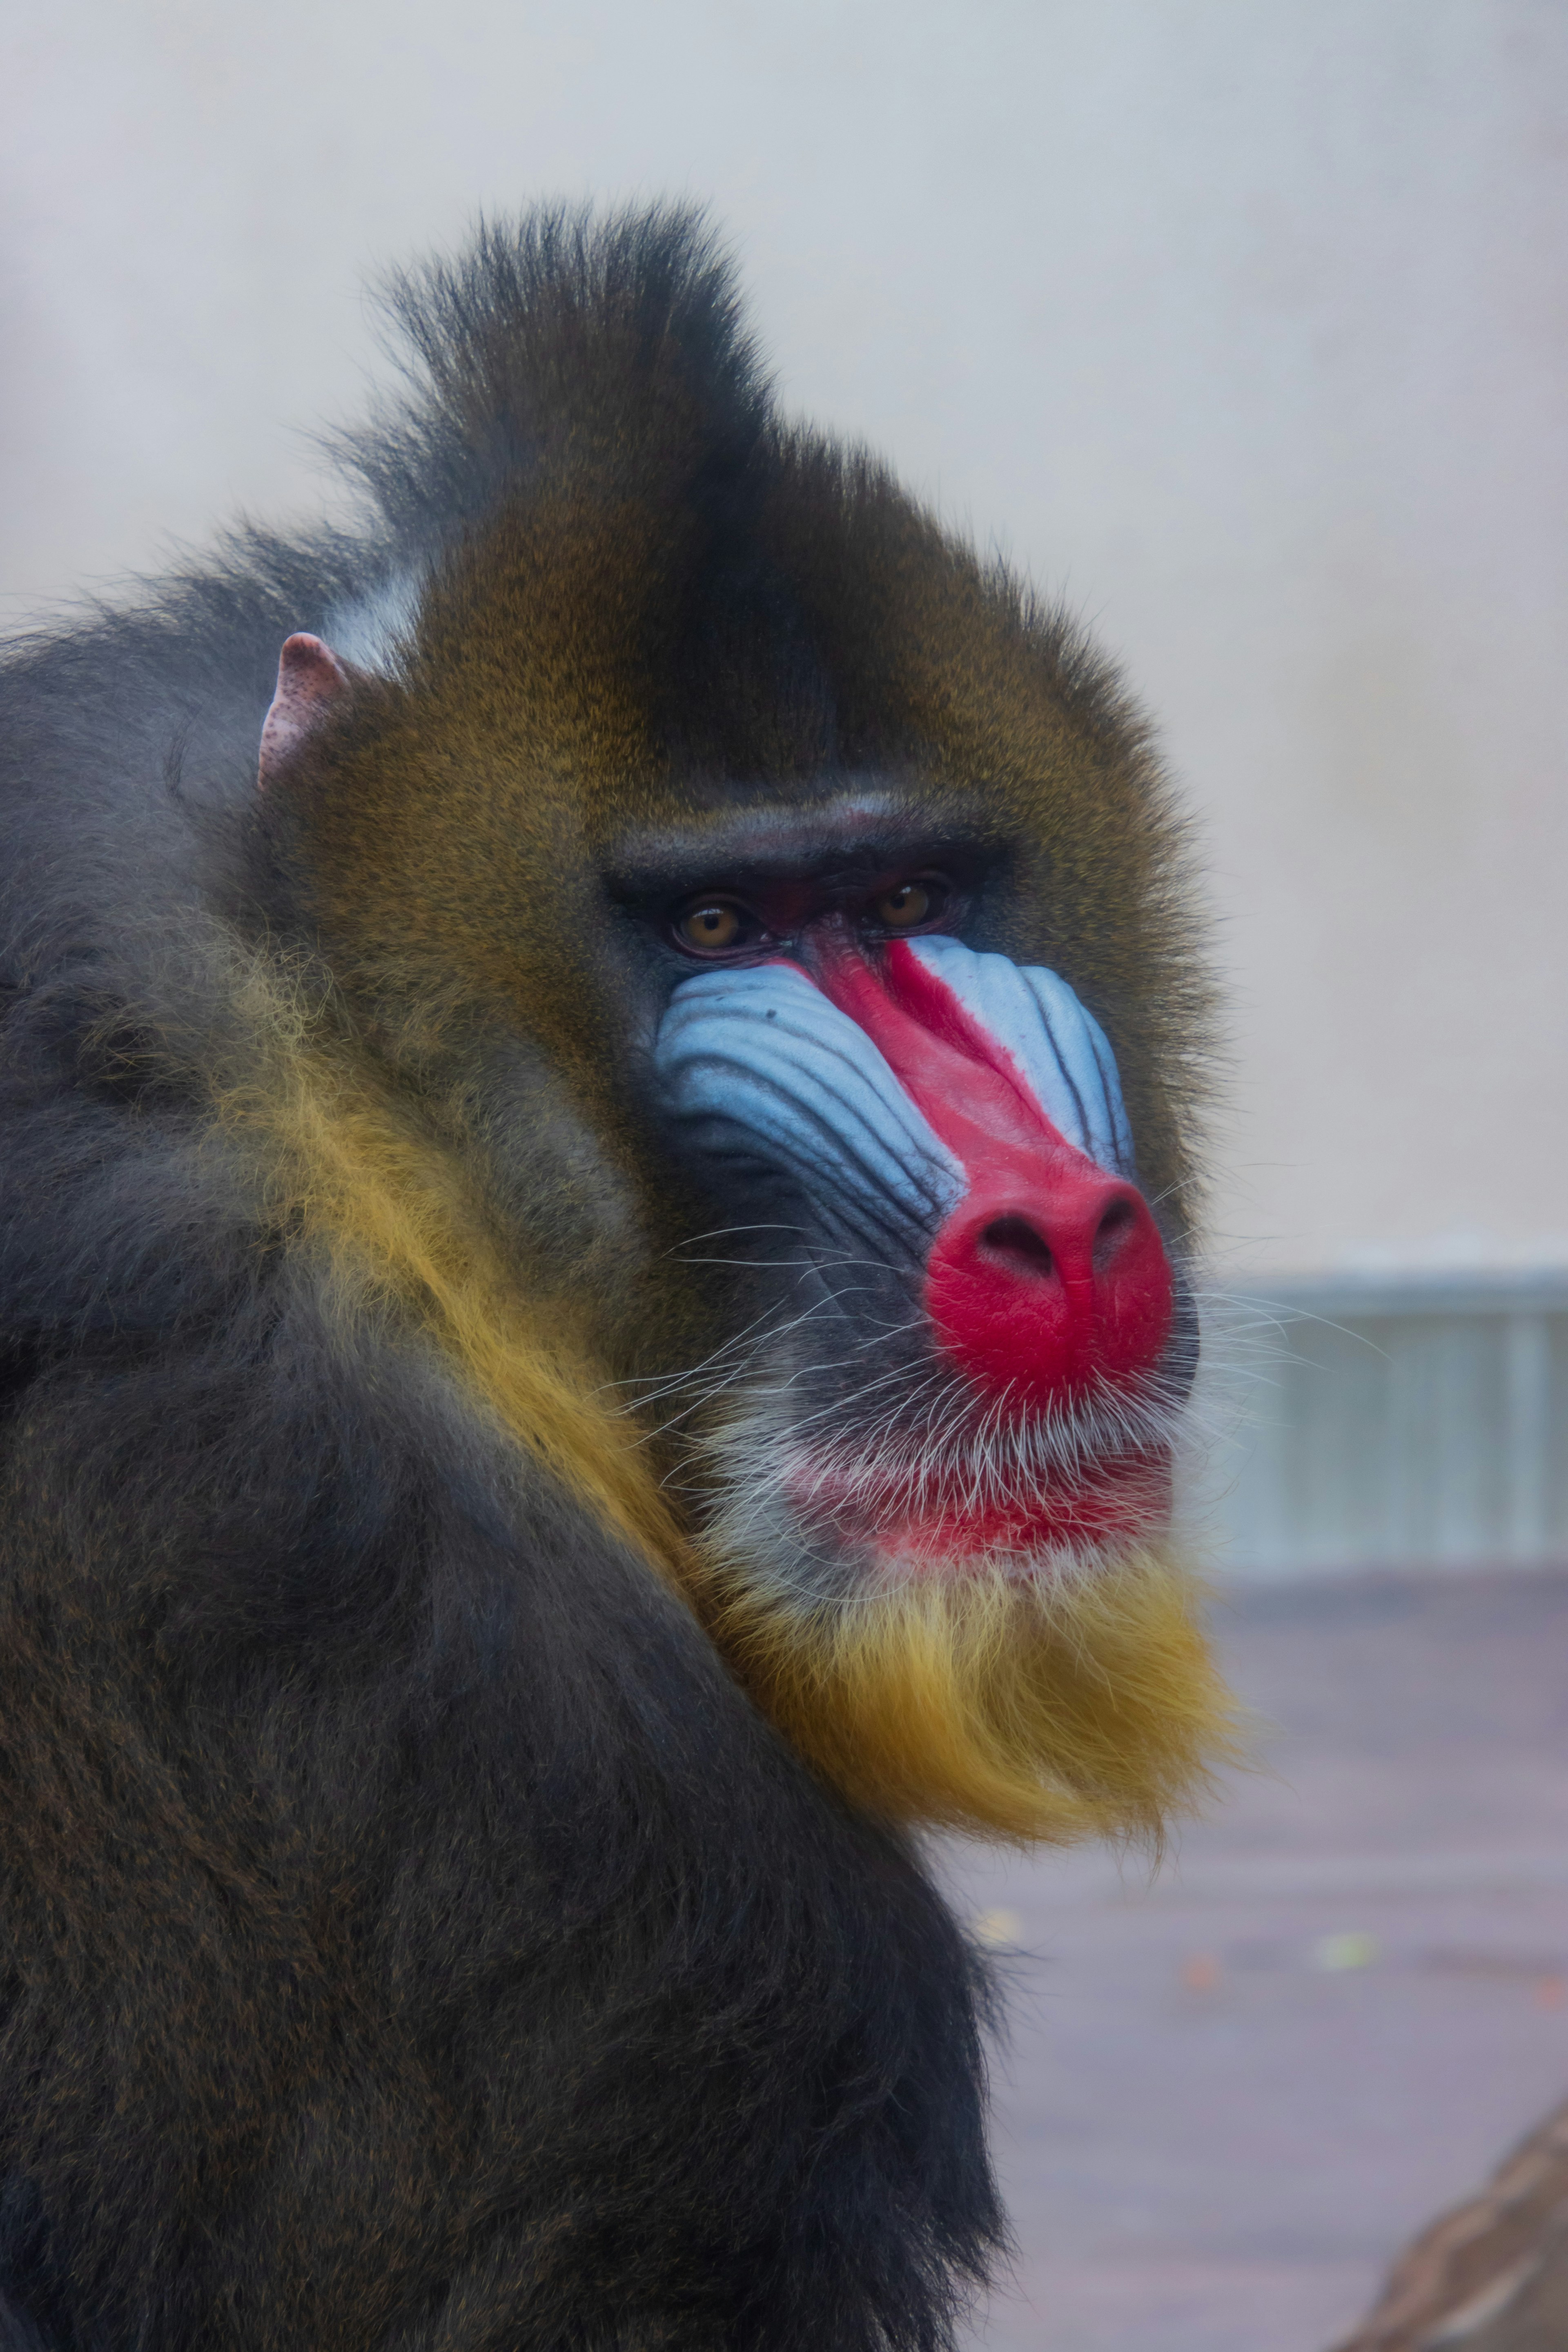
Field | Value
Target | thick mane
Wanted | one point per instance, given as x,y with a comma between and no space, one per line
549,333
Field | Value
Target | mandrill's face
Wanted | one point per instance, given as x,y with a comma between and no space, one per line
984,1347
935,1455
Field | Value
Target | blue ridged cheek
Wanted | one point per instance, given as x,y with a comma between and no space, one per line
1054,1041
760,1072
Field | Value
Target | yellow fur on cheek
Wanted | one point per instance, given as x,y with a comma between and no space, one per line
1088,1706
399,1227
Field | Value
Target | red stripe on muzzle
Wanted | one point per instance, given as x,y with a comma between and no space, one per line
1049,1279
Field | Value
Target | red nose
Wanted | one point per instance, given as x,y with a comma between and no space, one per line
1049,1278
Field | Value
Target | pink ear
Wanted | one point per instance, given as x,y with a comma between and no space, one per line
310,679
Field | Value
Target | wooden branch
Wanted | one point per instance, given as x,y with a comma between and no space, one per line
1492,2275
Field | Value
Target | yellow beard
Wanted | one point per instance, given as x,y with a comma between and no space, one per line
1085,1705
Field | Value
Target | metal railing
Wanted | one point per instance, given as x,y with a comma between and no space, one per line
1421,1421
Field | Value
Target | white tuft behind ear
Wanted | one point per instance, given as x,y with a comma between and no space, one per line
310,678
376,631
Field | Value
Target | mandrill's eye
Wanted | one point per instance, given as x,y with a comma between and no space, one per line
908,904
713,925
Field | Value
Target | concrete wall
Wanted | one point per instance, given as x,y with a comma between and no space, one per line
1241,322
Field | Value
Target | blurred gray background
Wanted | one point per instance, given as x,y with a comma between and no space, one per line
1242,325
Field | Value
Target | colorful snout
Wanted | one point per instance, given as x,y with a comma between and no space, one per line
949,1107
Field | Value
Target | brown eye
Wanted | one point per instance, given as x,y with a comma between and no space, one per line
710,928
907,906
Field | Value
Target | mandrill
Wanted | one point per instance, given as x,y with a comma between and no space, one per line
593,1324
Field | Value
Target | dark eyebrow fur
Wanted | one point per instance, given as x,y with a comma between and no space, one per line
858,836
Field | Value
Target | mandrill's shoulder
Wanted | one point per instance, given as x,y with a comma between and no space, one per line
122,770
127,766
128,732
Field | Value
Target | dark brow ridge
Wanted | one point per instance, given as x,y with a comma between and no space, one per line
856,840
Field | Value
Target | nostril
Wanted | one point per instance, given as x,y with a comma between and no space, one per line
1021,1248
1119,1220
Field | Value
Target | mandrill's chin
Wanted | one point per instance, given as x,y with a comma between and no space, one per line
1052,1708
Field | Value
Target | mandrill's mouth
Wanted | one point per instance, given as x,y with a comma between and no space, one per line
833,1506
974,1487
932,1521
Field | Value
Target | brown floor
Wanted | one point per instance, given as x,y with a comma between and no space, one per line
1228,2097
